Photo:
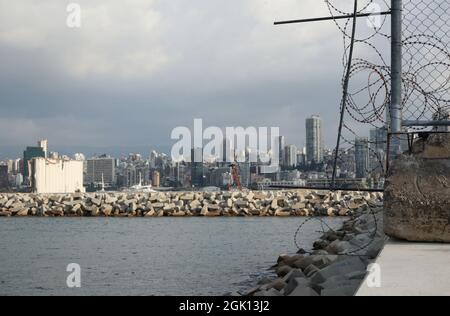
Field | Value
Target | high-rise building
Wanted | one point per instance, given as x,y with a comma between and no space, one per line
291,156
301,159
281,142
245,174
378,139
245,169
11,166
227,152
43,143
218,176
181,174
197,170
362,157
153,158
156,179
134,174
378,149
134,157
30,153
17,180
4,176
15,166
101,169
314,140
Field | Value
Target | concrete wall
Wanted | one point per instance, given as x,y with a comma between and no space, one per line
417,195
57,176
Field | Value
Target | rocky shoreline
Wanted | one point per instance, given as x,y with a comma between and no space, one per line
336,266
184,204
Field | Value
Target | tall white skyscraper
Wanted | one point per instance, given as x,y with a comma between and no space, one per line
314,140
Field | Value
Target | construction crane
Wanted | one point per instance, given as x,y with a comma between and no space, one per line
235,177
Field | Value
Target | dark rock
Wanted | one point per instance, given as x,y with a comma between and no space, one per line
270,292
302,291
294,273
301,251
283,270
277,284
340,267
295,283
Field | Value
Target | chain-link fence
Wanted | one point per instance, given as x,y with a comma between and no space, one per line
363,142
364,145
426,59
426,81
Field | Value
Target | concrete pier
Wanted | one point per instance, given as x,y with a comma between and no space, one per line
412,269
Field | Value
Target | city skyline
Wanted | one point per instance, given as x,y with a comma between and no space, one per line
41,169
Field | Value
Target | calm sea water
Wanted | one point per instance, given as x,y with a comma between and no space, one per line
139,256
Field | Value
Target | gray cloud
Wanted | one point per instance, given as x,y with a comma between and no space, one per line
137,69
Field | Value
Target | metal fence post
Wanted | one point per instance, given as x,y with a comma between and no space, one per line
396,67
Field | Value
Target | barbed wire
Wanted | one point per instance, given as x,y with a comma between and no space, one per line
425,77
426,73
368,99
357,251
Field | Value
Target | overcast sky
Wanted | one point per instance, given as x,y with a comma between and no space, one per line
136,69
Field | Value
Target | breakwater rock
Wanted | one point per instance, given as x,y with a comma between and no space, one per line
181,204
336,266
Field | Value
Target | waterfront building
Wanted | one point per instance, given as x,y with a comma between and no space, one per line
101,170
50,176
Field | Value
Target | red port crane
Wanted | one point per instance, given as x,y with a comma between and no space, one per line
235,178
